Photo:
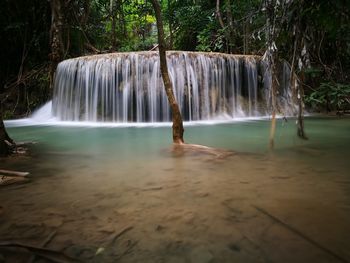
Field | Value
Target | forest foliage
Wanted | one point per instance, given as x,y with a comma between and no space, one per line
313,36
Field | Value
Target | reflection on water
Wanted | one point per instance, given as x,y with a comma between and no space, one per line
290,205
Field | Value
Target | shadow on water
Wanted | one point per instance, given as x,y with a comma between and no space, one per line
107,194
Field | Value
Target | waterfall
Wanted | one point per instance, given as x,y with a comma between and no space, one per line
127,87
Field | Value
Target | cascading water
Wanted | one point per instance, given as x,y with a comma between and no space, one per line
127,87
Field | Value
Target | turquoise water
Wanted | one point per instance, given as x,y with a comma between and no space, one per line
89,182
326,134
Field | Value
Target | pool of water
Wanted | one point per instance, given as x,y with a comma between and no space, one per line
291,204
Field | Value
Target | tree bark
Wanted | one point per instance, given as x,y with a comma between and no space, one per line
272,59
178,129
56,39
170,21
300,95
298,87
218,14
4,147
230,26
113,20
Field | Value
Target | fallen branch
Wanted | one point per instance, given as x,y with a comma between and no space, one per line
16,173
52,255
302,235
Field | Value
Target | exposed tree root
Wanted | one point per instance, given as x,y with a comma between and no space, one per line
194,149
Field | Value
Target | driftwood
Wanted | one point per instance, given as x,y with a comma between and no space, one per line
49,254
11,177
15,173
302,235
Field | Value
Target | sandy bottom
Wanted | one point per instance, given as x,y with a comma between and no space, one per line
268,207
122,195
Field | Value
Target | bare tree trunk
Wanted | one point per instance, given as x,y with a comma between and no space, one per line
272,58
218,14
113,18
171,36
221,22
300,96
230,33
274,87
178,129
56,39
5,139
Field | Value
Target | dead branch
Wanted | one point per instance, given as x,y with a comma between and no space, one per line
16,173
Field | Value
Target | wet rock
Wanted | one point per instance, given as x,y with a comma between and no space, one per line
74,251
201,255
88,253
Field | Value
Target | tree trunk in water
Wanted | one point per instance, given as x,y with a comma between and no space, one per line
56,39
272,59
274,106
4,147
300,96
178,129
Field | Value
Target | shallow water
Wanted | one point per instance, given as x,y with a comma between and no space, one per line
89,183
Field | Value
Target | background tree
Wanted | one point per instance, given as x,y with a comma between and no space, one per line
315,31
56,38
178,129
